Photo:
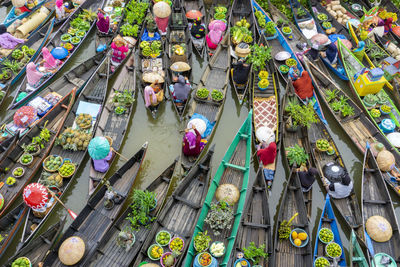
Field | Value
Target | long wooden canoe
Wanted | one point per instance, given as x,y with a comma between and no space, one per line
357,257
94,220
255,225
357,127
182,209
12,16
348,207
291,138
177,34
108,252
111,124
216,3
54,42
234,169
92,95
281,44
11,222
328,220
215,76
285,254
376,201
38,248
242,9
266,108
188,5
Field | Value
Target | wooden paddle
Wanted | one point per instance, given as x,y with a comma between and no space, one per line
70,212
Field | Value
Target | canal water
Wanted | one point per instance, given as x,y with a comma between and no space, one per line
164,135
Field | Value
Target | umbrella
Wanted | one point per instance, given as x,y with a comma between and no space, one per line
180,66
25,116
193,14
18,3
59,52
71,250
35,195
151,77
217,25
161,10
99,147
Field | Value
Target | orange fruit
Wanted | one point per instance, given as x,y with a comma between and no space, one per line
297,242
302,236
294,235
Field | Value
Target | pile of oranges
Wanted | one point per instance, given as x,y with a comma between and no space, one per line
298,238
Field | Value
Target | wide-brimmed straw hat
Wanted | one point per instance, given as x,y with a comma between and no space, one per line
161,10
378,228
151,77
71,250
180,66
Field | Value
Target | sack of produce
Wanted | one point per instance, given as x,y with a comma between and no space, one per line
71,250
378,228
394,138
228,193
385,160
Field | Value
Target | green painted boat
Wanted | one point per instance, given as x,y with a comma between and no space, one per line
234,169
352,66
356,254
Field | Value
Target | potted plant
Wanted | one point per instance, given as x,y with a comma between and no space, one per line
143,202
370,100
270,31
347,111
336,106
13,66
201,241
11,181
331,95
259,56
263,84
296,155
280,22
5,75
202,93
382,97
219,217
18,172
300,115
301,12
217,95
254,253
168,259
126,238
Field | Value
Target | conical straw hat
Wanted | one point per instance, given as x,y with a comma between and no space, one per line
180,66
18,3
71,250
151,77
161,10
378,228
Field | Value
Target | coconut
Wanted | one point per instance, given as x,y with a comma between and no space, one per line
378,228
385,160
228,193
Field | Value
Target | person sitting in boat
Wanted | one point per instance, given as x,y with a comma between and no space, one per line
60,10
27,7
240,72
267,155
331,54
69,6
103,22
180,90
340,189
35,77
302,85
153,94
198,30
307,177
215,33
7,41
120,48
102,165
49,62
313,52
192,145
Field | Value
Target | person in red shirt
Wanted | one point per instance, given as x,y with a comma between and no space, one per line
302,85
267,156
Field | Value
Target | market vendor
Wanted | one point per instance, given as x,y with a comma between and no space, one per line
302,85
215,34
307,177
102,165
181,89
119,48
340,189
103,22
49,62
7,41
331,54
60,10
267,155
153,94
198,30
240,72
192,145
35,77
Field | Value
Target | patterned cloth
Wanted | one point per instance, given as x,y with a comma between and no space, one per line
265,112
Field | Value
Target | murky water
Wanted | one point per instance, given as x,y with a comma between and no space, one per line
164,136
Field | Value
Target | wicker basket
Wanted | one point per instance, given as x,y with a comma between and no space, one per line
47,158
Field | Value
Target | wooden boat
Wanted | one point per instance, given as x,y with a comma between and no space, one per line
234,169
178,34
188,5
36,41
54,122
112,124
182,208
95,219
242,9
280,44
108,252
357,126
212,78
357,258
74,78
255,225
36,250
7,146
11,221
302,20
353,66
54,42
328,221
216,3
291,138
376,200
12,16
90,101
285,254
348,207
266,106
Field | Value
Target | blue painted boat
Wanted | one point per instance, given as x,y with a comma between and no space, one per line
328,220
309,33
281,44
11,16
